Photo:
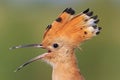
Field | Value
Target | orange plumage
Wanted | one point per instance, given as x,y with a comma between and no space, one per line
61,38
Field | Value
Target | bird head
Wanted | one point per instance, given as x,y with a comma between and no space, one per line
65,34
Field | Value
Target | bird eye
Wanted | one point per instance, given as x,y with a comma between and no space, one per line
55,45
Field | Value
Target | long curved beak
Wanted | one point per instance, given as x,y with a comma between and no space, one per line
28,45
31,60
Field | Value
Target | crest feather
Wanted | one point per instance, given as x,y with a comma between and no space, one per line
76,28
62,19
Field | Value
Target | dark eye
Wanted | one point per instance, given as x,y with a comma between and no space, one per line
55,45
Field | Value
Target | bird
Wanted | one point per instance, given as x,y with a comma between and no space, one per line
61,38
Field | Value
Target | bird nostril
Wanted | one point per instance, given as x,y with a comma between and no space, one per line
49,51
41,45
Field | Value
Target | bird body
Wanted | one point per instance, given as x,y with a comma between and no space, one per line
61,38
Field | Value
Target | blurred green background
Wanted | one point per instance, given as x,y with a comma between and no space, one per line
24,21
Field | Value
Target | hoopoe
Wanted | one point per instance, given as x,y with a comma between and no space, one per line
61,38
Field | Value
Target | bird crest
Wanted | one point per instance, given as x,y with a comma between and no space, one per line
72,28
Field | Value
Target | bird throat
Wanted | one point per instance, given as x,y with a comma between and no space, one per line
67,70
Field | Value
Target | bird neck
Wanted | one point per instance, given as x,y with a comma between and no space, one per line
67,69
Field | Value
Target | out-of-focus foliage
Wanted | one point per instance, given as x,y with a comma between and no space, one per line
24,21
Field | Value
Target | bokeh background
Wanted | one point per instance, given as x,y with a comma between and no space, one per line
24,21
